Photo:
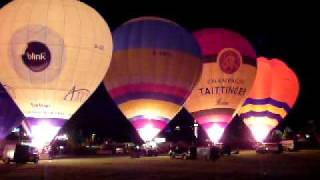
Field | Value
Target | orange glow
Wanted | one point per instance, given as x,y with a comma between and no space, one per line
275,80
260,127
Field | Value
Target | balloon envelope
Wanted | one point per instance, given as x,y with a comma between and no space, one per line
274,93
53,55
228,74
10,115
154,67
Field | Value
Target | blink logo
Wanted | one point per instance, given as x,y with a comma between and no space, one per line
37,56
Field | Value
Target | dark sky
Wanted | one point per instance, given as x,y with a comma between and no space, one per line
286,31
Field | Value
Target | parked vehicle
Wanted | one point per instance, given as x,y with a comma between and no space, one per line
262,148
209,152
120,150
288,145
182,153
150,152
20,153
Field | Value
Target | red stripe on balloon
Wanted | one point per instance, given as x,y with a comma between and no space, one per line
141,123
165,89
219,118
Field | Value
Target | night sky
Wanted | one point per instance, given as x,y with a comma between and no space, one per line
285,31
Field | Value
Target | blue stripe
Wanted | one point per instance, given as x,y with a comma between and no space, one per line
264,101
156,96
261,114
155,34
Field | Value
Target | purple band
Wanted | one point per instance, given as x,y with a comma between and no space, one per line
262,114
264,101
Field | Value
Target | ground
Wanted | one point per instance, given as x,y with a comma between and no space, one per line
303,164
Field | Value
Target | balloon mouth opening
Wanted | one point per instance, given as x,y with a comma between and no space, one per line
215,132
260,132
260,127
42,131
148,132
148,127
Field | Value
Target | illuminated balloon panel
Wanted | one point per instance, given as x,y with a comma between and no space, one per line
154,67
53,55
228,74
274,93
10,115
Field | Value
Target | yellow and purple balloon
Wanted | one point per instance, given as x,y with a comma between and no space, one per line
154,67
274,93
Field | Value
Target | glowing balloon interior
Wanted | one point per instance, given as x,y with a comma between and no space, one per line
274,93
10,115
53,55
228,74
42,131
154,67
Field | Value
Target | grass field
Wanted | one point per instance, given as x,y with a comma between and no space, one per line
304,164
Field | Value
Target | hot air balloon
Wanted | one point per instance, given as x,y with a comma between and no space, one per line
274,93
154,67
10,115
229,69
53,55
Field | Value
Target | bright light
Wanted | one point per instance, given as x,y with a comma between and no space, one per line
215,132
15,130
160,140
260,126
63,137
43,133
148,132
260,131
10,153
152,144
307,136
26,143
151,115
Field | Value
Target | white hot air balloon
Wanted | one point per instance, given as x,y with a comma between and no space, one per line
53,55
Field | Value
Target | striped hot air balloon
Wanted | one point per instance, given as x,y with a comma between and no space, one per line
229,71
154,67
274,93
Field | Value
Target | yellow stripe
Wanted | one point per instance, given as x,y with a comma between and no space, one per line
260,108
149,107
134,66
261,120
